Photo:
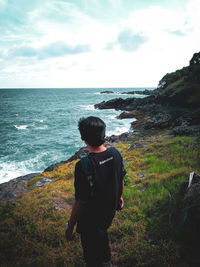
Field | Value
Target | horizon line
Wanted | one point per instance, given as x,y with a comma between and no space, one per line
78,87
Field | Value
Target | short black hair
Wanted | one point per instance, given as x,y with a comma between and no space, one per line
92,130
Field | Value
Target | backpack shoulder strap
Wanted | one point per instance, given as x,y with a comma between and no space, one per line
87,170
85,164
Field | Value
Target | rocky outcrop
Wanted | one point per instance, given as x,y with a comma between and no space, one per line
187,216
127,115
173,105
117,103
107,92
129,104
21,185
139,92
15,187
143,92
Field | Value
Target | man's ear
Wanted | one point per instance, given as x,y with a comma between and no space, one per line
82,138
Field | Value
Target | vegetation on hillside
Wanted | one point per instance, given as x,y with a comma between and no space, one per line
182,87
142,234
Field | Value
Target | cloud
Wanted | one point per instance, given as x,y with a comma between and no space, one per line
56,49
177,33
130,42
2,4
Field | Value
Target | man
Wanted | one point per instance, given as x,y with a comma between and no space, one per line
98,193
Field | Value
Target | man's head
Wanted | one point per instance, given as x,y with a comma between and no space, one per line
92,130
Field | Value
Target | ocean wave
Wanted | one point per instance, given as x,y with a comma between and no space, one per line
111,117
118,130
118,127
87,107
11,170
21,127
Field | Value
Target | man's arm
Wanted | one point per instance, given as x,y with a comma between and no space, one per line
121,189
77,211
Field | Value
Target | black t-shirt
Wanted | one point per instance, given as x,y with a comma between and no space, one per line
107,171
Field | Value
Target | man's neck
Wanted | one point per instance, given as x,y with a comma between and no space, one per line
96,149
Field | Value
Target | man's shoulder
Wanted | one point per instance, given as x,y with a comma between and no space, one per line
78,165
115,152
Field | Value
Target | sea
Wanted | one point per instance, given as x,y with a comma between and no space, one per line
38,127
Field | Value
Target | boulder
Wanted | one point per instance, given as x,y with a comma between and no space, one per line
188,214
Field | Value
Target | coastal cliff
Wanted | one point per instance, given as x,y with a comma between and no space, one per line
173,105
158,158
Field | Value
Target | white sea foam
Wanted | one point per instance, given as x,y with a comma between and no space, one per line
87,107
11,170
42,127
118,130
21,127
119,126
111,117
41,121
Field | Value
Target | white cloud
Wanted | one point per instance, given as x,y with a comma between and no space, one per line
55,49
158,40
2,4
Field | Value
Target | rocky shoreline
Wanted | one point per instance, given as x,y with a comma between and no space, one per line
149,116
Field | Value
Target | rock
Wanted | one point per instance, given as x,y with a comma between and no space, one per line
161,120
15,187
117,103
188,117
45,181
56,165
127,115
112,139
188,214
141,176
143,92
60,204
186,130
7,195
136,145
107,92
118,138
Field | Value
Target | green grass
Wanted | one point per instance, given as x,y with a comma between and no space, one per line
142,234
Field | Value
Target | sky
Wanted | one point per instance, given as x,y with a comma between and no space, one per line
95,43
